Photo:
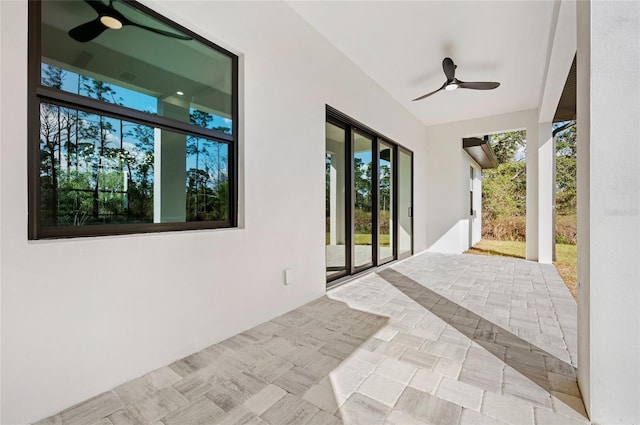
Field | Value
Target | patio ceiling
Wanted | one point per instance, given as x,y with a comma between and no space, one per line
401,46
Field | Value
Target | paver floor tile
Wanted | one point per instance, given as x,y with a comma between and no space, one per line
547,417
264,399
471,417
157,405
92,410
397,417
289,410
428,408
397,370
198,412
434,339
382,389
360,409
324,418
460,393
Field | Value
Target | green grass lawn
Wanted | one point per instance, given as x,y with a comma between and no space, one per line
566,257
363,239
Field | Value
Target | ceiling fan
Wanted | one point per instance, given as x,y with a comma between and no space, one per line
110,18
453,83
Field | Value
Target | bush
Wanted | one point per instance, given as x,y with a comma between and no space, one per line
505,228
514,228
567,229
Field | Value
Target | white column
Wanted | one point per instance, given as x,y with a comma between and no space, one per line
532,193
170,171
546,189
609,210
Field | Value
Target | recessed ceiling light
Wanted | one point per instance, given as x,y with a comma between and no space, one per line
179,93
111,22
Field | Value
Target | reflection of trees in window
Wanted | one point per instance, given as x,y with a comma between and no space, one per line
93,169
97,169
363,197
384,199
98,123
207,179
207,173
362,183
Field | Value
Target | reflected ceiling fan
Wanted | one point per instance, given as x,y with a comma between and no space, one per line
110,18
453,83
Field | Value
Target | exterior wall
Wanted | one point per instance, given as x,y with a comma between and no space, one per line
609,210
133,303
447,170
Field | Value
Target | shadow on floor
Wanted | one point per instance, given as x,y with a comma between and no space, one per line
544,369
492,252
262,373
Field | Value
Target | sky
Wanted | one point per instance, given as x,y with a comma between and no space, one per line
211,152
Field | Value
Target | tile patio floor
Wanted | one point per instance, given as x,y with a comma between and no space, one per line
435,339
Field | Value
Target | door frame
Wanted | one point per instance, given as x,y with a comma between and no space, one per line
397,222
351,126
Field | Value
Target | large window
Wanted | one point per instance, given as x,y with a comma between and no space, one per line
369,198
133,123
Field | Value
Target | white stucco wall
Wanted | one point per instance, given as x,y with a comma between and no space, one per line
130,304
447,170
609,210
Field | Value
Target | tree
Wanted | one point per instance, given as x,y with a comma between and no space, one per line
385,187
50,142
207,182
98,132
566,167
507,145
504,189
140,170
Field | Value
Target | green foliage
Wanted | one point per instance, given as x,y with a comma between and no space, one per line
362,221
97,169
362,184
566,168
504,188
504,191
506,145
505,228
384,195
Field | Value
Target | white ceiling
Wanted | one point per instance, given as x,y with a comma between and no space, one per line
401,46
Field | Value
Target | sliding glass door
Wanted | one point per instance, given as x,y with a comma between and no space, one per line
405,204
336,203
386,196
368,183
363,193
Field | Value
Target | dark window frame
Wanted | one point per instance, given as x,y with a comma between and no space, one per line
37,94
351,125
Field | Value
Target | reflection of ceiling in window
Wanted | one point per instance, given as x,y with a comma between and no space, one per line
361,143
138,59
334,133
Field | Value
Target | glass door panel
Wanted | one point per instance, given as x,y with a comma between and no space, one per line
336,213
385,203
405,204
368,199
362,200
